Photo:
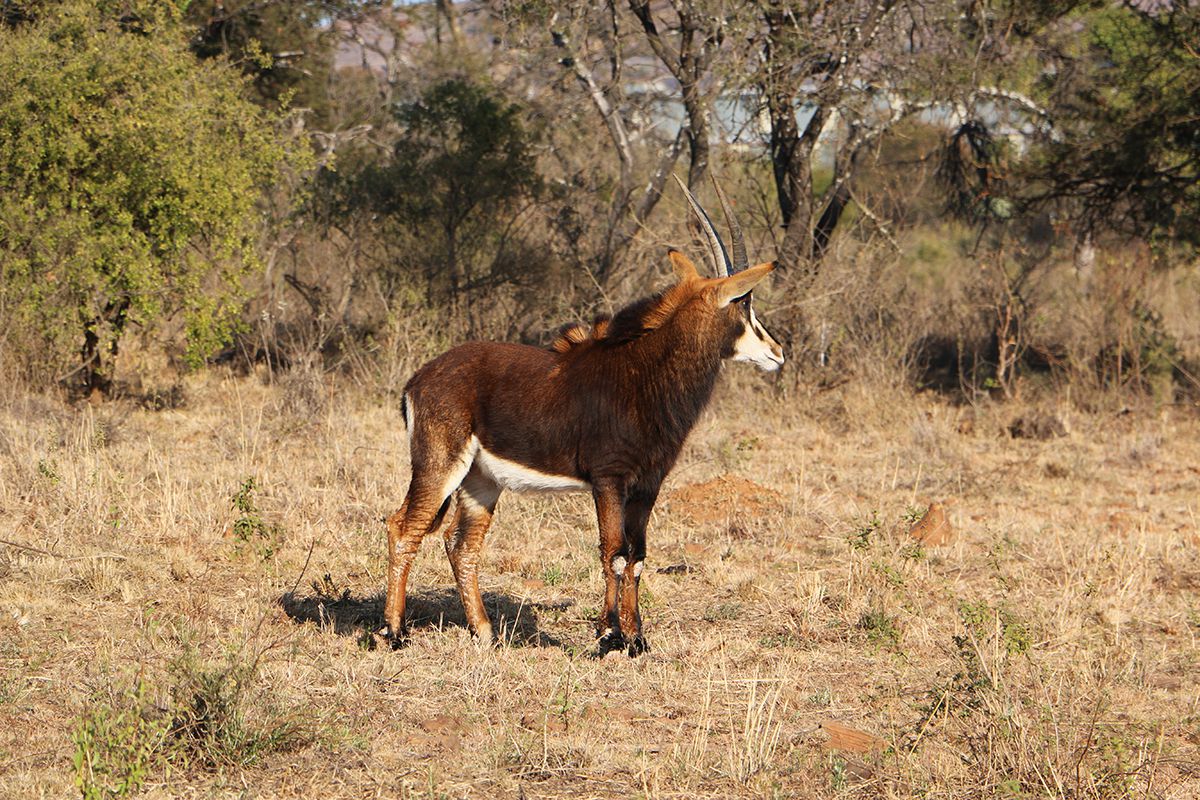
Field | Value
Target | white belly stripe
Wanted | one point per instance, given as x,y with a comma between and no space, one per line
520,478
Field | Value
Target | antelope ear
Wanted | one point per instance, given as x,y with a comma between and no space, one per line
684,268
739,283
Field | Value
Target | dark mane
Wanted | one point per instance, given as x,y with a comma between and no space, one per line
631,322
650,313
574,334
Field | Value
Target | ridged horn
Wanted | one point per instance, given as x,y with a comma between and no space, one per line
740,260
718,256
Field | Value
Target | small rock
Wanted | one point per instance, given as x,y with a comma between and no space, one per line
555,604
1168,682
443,741
1039,426
857,771
443,723
933,529
843,737
537,722
623,713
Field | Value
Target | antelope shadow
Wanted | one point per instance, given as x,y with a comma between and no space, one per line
516,619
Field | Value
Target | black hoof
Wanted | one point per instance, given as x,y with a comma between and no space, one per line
611,642
638,645
384,639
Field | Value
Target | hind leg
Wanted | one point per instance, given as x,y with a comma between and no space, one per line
464,543
406,528
435,477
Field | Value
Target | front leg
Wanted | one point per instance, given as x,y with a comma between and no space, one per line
610,515
637,514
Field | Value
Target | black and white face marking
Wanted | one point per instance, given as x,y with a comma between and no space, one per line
755,344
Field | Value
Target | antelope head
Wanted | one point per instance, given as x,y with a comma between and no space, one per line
731,288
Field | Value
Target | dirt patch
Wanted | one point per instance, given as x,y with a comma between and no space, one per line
718,499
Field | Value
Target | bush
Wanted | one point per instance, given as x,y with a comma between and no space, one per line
454,196
118,742
132,175
205,717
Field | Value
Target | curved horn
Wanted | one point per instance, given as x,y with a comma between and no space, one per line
740,260
717,254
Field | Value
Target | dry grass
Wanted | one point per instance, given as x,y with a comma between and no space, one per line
1050,650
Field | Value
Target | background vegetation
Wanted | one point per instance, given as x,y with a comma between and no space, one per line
972,198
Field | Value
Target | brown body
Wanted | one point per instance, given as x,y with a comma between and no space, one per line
603,410
607,412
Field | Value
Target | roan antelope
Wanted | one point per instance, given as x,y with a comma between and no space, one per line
605,410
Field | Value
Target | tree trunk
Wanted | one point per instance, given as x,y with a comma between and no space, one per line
839,198
94,378
791,160
96,372
1085,262
697,134
688,65
791,148
445,10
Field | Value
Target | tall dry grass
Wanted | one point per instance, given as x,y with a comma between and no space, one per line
1049,650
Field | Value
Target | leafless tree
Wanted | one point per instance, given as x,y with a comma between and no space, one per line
844,71
636,194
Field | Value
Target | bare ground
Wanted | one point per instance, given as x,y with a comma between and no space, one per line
804,644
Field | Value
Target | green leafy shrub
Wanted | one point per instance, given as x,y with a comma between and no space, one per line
118,742
205,717
882,629
132,176
454,195
211,724
250,528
